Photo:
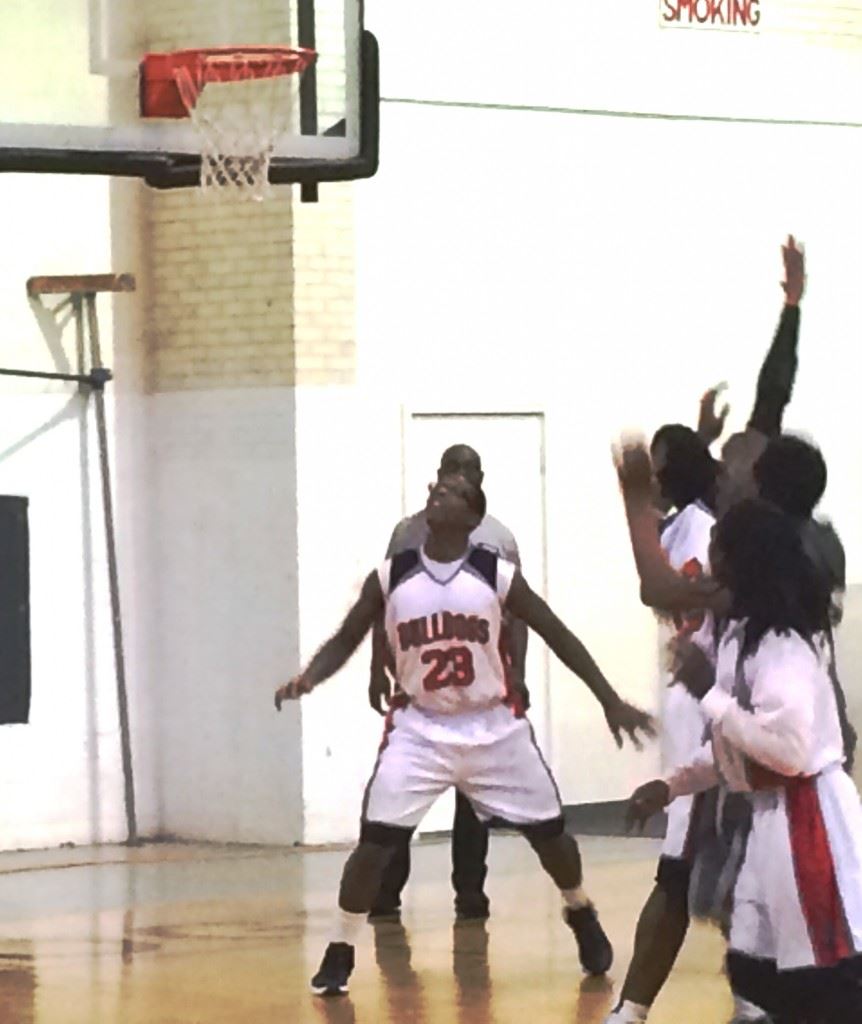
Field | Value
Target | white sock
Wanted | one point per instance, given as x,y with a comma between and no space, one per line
347,926
575,898
744,1010
628,1013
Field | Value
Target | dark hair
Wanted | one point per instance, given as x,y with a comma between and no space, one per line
773,583
791,473
689,473
460,454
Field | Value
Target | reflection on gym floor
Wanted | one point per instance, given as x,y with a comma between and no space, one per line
184,934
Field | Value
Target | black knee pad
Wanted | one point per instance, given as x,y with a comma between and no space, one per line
389,836
673,877
542,831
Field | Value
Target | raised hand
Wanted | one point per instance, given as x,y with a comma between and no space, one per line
623,717
646,801
710,424
296,688
794,271
634,468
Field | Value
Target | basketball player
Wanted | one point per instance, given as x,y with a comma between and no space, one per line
469,834
791,474
664,920
685,475
796,928
456,724
661,587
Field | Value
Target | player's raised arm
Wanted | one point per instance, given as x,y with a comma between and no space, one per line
338,649
530,608
778,372
661,587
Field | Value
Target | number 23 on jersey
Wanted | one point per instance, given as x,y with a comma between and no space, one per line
450,666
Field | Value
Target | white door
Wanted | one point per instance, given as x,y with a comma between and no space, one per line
512,450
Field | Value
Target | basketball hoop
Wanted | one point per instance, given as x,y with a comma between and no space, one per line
241,117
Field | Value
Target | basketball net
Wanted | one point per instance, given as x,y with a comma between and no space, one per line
241,106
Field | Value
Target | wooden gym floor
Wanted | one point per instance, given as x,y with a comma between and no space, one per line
191,934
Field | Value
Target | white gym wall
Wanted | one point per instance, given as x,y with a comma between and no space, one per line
60,774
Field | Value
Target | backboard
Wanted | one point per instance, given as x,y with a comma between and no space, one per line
70,81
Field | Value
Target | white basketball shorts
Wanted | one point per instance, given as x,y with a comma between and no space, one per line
490,755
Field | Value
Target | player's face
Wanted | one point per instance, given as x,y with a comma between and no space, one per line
658,457
448,503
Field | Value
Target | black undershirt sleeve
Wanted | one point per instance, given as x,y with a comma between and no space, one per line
777,375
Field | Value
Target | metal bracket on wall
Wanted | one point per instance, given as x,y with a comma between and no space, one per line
81,291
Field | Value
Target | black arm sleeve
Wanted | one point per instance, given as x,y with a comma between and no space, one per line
775,383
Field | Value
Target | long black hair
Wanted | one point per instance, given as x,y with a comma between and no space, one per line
689,472
759,555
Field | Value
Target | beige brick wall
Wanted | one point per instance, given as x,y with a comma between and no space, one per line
248,294
324,287
222,304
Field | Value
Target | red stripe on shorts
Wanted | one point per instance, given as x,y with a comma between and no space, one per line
815,874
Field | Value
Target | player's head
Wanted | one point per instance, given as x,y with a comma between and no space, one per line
455,504
461,460
791,473
736,472
757,552
684,469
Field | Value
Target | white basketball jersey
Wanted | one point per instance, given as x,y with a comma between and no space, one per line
685,542
443,623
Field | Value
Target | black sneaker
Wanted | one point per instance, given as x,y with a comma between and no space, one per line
335,970
472,908
594,949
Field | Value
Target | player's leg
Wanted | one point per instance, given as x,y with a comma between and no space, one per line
469,861
660,932
360,883
663,921
409,776
509,779
387,904
560,856
752,948
756,980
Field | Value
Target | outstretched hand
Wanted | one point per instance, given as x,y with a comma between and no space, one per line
647,800
710,424
794,271
293,690
634,468
623,717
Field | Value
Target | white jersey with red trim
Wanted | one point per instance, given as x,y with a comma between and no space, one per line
776,731
685,541
443,623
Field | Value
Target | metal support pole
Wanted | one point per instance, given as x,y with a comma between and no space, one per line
307,37
97,381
